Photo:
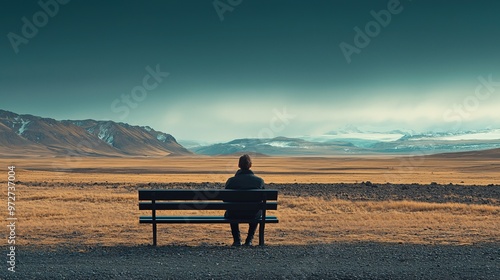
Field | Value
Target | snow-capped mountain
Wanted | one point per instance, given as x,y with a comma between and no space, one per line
21,134
359,139
278,146
131,140
354,141
485,134
191,144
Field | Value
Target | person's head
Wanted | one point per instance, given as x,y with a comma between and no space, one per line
245,162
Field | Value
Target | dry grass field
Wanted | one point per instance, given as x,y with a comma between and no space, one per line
107,216
93,201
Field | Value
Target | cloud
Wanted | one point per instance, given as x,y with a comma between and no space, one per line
226,116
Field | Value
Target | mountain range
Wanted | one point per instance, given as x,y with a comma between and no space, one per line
28,135
31,136
352,141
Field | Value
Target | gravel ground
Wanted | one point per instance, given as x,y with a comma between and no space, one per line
332,261
365,191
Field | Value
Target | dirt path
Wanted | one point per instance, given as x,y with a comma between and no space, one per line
332,261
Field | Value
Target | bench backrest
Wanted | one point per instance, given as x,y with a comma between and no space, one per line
253,199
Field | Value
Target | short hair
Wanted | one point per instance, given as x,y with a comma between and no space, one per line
245,162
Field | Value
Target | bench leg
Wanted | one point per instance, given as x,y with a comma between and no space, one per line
261,234
154,234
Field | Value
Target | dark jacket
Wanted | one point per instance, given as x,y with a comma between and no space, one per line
244,180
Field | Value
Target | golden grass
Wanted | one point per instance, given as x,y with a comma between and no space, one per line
89,215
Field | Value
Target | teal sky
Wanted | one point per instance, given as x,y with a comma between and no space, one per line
237,77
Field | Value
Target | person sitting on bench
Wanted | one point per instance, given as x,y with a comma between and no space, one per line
244,179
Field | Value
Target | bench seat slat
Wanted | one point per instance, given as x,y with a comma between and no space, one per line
244,195
200,220
207,206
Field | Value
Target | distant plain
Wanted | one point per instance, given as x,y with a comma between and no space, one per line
442,169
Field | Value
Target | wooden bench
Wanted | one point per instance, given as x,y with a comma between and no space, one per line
254,199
